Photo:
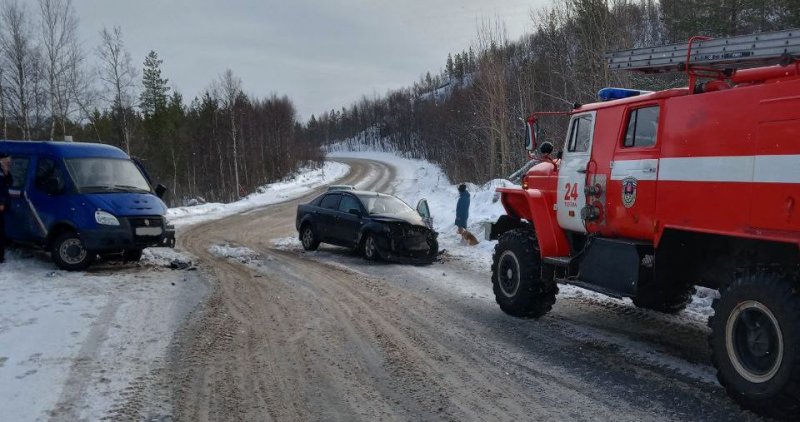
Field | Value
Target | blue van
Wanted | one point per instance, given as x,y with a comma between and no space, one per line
81,200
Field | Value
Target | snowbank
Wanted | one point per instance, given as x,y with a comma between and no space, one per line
306,180
238,253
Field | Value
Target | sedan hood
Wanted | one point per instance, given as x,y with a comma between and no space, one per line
412,219
128,204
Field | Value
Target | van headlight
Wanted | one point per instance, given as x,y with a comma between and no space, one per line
106,219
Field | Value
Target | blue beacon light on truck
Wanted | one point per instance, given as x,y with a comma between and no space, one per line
608,94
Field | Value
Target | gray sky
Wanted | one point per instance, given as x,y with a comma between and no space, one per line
322,54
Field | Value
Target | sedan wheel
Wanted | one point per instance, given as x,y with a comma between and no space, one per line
308,238
370,248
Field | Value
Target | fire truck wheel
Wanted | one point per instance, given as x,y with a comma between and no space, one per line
668,299
755,342
523,287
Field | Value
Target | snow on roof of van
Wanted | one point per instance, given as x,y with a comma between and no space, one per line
63,149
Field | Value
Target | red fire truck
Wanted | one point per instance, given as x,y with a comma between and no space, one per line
657,192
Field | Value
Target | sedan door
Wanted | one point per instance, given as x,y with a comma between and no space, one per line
326,217
349,220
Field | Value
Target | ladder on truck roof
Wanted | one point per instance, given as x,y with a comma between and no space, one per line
703,53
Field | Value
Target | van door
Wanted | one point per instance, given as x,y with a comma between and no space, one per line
46,193
572,174
20,225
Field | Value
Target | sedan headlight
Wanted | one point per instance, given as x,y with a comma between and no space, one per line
105,218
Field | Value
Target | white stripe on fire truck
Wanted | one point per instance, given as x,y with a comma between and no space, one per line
750,168
640,169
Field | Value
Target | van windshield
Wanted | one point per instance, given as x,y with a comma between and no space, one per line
92,175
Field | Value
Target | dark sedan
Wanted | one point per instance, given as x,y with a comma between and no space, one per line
378,225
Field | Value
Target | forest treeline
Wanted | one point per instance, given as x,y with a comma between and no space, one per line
468,117
217,146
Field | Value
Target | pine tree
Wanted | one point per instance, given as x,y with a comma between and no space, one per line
155,90
449,67
458,70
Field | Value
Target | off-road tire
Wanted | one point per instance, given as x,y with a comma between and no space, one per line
132,255
523,286
669,299
743,328
369,248
68,252
309,238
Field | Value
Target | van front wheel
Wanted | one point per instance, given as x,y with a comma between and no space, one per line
69,254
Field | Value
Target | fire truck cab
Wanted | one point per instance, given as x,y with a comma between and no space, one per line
657,192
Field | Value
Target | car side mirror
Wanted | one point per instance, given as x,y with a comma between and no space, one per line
422,209
355,212
160,190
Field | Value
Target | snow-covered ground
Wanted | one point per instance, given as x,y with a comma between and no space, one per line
418,179
303,182
72,344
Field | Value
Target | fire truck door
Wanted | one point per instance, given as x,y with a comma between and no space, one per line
572,174
631,195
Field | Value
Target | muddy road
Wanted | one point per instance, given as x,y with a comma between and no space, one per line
288,335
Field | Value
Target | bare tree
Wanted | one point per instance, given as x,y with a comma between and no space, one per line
86,97
61,58
118,76
19,60
227,90
3,116
491,98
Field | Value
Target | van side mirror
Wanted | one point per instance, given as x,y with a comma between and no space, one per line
160,191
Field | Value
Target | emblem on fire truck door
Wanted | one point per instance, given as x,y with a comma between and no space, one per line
629,191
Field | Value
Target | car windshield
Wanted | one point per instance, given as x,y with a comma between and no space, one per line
385,204
106,175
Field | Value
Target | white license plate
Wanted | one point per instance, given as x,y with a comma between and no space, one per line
148,231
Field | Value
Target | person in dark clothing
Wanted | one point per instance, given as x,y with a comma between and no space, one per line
5,200
462,208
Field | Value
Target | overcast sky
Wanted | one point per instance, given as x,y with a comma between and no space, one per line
322,54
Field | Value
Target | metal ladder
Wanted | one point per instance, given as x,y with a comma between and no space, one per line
702,53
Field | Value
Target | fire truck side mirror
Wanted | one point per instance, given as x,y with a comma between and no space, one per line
546,148
531,132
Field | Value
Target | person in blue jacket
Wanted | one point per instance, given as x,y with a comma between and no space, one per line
462,208
5,200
